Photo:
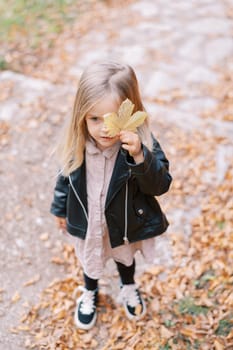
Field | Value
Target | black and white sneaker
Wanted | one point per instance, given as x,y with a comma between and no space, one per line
132,301
85,313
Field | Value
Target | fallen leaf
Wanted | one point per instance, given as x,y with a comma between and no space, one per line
32,281
189,332
218,345
44,236
16,297
165,333
57,260
138,309
87,338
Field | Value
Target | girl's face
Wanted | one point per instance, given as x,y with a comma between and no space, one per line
95,122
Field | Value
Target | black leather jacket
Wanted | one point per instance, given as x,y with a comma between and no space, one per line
132,186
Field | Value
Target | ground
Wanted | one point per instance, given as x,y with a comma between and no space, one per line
182,54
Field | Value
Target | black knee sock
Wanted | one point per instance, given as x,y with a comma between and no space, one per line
126,272
90,283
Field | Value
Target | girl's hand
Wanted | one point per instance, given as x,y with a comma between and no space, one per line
132,143
61,223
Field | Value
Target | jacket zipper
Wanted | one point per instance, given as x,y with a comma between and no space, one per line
78,198
125,238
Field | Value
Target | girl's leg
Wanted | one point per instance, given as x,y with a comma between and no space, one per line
126,272
85,314
130,296
90,283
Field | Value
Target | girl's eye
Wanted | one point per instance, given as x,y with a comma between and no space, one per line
94,119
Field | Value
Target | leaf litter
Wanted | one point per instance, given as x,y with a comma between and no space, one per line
191,308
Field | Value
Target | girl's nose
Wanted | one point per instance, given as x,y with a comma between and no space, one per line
104,128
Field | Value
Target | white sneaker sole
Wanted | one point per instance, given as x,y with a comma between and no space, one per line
137,317
84,326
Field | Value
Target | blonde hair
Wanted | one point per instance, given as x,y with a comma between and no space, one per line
97,81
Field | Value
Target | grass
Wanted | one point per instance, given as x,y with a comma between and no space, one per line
202,282
224,327
36,18
165,347
32,26
3,63
187,306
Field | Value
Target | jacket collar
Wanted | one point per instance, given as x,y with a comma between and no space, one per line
78,178
119,177
92,149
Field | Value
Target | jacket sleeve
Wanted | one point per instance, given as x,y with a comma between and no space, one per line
58,206
152,175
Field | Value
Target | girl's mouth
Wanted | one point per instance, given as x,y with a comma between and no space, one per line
106,137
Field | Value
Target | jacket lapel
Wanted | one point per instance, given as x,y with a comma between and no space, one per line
78,178
119,177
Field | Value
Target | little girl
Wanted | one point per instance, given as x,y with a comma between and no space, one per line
104,195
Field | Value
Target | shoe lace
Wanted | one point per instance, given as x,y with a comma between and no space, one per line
87,299
130,295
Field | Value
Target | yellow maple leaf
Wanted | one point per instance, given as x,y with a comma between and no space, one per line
124,119
138,310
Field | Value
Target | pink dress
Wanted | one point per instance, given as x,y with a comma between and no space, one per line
95,250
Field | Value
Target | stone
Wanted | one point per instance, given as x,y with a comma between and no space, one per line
8,110
133,55
211,9
210,26
146,8
223,160
201,74
26,82
197,105
217,50
159,81
191,48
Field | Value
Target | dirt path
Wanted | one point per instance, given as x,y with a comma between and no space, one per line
182,53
